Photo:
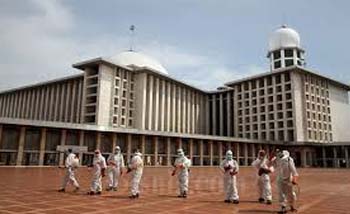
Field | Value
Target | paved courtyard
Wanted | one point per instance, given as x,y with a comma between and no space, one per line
34,190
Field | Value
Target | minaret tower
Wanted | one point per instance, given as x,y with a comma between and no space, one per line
285,49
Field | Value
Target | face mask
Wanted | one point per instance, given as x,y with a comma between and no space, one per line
116,151
229,157
180,154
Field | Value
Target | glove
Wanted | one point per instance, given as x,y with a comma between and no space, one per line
103,172
173,173
294,180
129,170
121,172
233,173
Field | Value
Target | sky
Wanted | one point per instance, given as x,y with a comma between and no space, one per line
201,42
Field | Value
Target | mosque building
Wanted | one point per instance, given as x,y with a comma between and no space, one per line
130,100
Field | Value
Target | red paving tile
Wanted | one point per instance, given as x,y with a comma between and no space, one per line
34,190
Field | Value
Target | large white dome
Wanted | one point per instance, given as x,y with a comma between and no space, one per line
284,37
129,58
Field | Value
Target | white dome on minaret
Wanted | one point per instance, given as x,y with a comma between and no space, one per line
284,37
133,58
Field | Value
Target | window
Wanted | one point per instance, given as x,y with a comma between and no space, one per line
288,53
286,77
280,115
278,79
269,80
262,100
277,64
288,96
279,97
277,54
289,62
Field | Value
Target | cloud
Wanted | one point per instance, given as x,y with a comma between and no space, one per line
42,43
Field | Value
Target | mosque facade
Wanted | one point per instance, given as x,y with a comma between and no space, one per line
131,101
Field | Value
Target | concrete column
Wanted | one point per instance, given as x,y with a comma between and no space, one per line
178,117
211,152
42,146
237,152
21,146
183,116
179,143
79,103
81,143
303,157
245,146
74,92
335,158
324,161
201,152
207,115
143,146
193,112
98,140
114,141
214,115
346,150
162,108
253,151
221,114
128,147
68,97
173,110
191,149
1,127
52,104
57,104
150,106
156,107
155,141
168,151
229,115
220,151
168,114
62,143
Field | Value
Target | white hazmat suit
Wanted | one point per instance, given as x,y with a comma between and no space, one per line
230,168
182,165
115,168
262,165
99,165
136,170
71,163
286,178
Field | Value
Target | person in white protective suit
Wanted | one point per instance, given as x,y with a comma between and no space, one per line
115,169
181,168
135,167
230,168
71,164
286,177
264,168
99,166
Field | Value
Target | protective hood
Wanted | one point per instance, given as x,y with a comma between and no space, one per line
285,154
229,155
180,153
117,150
138,154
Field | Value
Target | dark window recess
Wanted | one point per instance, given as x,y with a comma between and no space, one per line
276,54
289,62
288,53
277,64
